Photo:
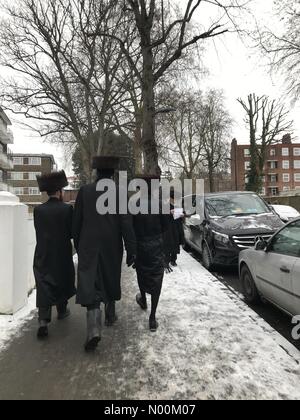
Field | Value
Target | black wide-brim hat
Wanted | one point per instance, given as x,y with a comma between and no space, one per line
52,182
106,162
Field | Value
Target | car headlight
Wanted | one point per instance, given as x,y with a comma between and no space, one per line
221,237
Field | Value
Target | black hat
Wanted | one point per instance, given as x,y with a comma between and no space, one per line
50,183
106,162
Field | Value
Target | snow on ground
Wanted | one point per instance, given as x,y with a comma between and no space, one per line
210,346
11,325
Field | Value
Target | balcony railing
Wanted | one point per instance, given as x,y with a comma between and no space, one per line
6,162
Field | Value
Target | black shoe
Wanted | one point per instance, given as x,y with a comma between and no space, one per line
153,325
143,304
63,315
93,330
42,333
92,344
109,322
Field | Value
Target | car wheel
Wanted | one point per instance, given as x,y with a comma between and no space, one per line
249,287
186,247
207,259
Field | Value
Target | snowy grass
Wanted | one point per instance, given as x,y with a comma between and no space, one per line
11,325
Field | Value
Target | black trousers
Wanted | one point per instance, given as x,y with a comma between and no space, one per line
45,314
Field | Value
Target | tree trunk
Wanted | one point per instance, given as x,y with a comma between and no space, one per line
138,150
148,134
211,179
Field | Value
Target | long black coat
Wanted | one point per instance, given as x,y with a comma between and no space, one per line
150,266
99,243
173,237
53,261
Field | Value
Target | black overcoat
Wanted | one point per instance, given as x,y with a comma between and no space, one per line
53,261
173,237
150,265
99,243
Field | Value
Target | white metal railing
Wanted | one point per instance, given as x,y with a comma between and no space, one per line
6,162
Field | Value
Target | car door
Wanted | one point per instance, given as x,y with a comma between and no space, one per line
274,269
296,269
296,287
194,226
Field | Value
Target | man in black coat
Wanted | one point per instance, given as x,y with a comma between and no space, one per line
53,261
150,262
99,243
174,237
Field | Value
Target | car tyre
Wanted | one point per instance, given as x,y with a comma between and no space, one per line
207,258
249,287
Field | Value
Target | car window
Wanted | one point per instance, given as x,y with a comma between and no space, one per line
235,205
287,242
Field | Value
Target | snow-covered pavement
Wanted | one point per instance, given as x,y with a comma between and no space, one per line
210,345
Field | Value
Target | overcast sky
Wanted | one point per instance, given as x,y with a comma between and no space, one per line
234,67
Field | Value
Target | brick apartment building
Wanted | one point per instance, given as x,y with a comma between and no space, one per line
282,169
23,178
6,163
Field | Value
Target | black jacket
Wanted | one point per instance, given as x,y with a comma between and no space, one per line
99,243
53,260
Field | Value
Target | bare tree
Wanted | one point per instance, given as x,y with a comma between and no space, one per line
267,121
281,43
194,139
62,79
158,25
215,133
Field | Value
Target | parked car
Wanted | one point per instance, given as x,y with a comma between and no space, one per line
230,223
272,270
286,213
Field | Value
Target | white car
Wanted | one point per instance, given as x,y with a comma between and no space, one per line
286,213
272,270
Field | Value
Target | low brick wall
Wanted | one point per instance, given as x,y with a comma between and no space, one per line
293,201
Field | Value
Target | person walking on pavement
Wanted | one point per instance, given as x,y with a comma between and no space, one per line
53,260
99,243
150,262
174,237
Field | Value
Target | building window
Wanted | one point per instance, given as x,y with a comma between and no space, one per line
273,152
273,178
35,161
296,151
16,176
273,164
246,152
32,175
247,166
296,164
285,151
18,161
285,164
297,177
286,177
274,191
34,191
263,191
18,191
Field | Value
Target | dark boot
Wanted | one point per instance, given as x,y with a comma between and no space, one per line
62,311
110,314
43,330
141,302
153,324
93,330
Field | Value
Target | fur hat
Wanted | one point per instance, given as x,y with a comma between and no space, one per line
106,162
52,182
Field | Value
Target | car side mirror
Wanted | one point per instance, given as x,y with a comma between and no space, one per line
261,245
196,219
